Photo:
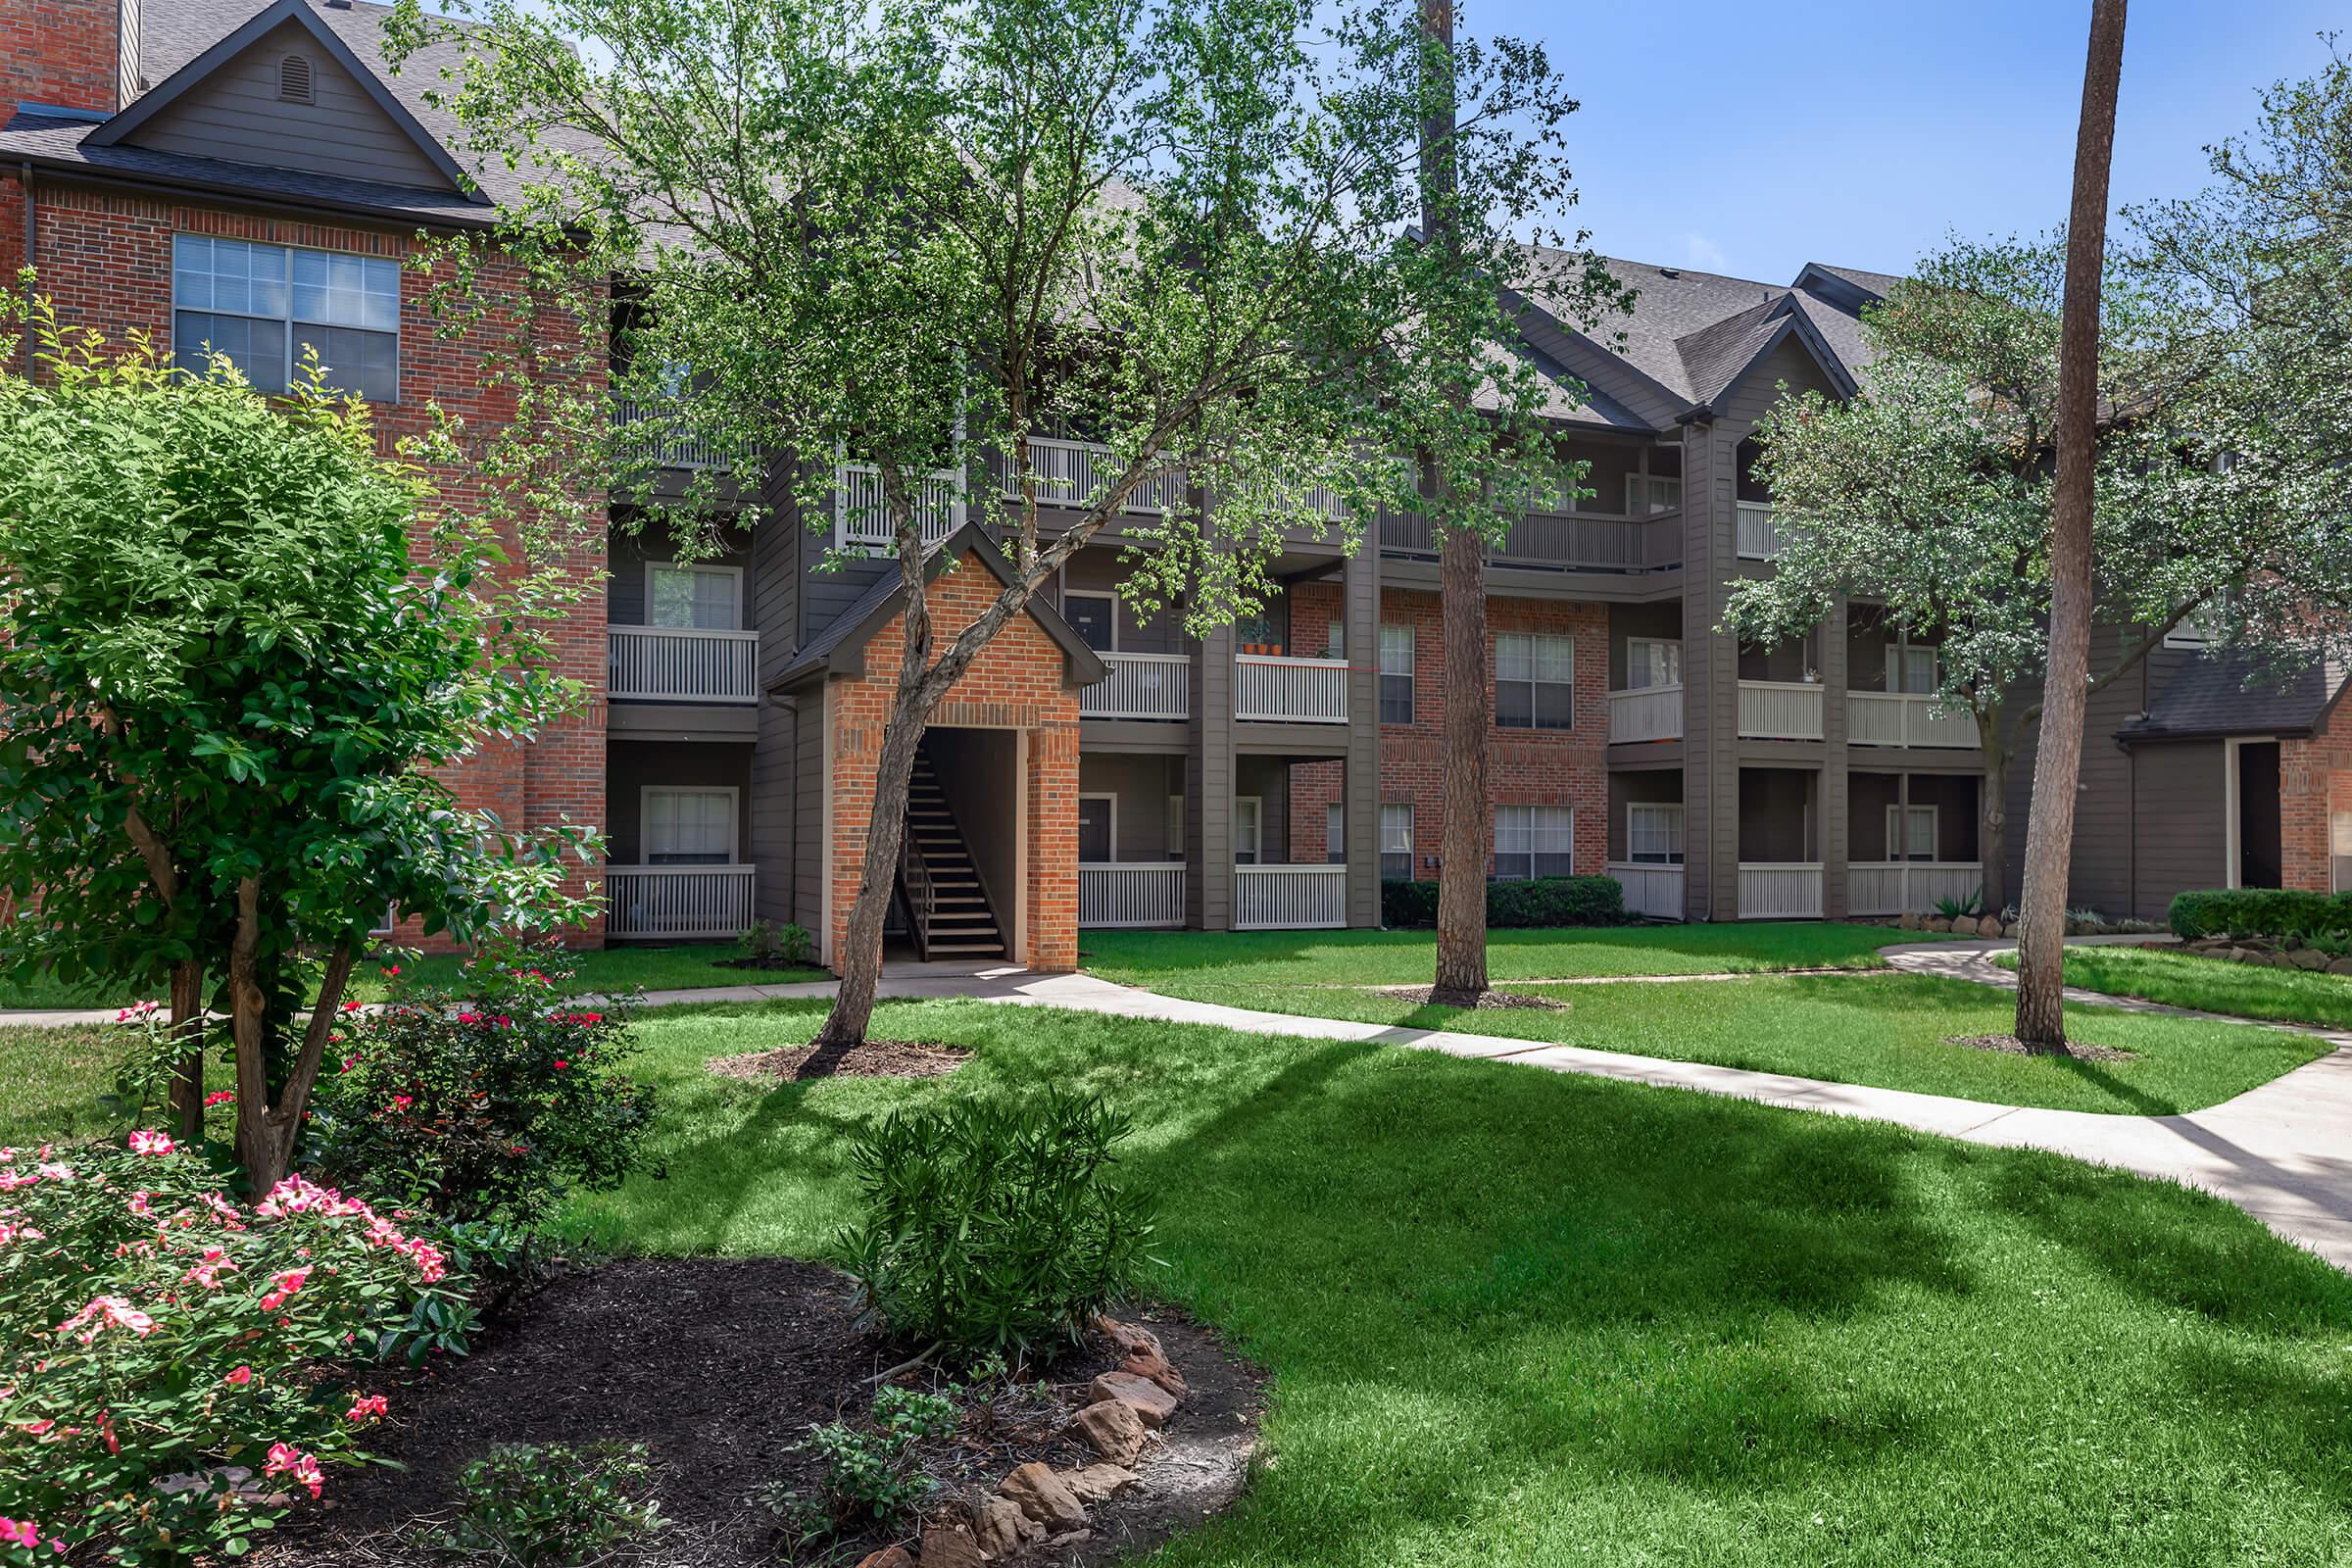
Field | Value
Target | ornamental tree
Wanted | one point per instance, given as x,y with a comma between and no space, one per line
910,237
235,641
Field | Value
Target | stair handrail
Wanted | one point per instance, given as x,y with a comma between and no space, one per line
921,901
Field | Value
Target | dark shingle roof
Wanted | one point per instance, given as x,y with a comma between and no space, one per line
2212,696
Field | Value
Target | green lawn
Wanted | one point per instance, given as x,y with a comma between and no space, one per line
2210,985
648,968
50,1080
1886,1030
1209,959
1529,1319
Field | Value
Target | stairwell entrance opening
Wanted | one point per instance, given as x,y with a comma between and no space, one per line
961,871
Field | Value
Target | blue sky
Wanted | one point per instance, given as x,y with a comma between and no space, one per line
1763,137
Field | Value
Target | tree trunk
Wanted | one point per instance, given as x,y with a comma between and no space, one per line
2058,749
268,1130
187,1027
1993,811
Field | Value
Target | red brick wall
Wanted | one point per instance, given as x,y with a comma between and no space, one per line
58,52
1524,767
1015,683
105,257
2314,781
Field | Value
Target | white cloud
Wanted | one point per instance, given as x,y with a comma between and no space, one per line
1700,251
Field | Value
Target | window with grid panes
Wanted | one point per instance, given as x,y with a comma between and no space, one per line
268,306
1535,681
1533,841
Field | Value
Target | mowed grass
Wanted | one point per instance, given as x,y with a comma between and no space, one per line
1532,1319
2209,985
51,1081
1210,960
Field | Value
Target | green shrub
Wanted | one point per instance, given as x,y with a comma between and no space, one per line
2267,913
1954,909
994,1226
869,1475
552,1507
1548,901
788,943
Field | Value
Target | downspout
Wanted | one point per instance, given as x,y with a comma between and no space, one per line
25,183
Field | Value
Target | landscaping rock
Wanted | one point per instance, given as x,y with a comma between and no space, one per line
1988,925
2308,958
1156,1369
1907,922
1044,1497
950,1546
887,1557
1115,1432
1937,922
1002,1530
2340,966
1099,1481
2009,928
1152,1404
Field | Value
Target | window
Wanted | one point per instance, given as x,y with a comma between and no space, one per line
1098,829
1396,842
1248,820
1653,834
1173,828
1534,682
1095,618
703,598
1334,639
689,826
1911,837
1335,834
1652,661
1647,493
1395,674
1910,667
266,306
294,80
1532,841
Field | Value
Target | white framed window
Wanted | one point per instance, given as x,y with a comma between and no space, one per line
1094,615
688,826
1396,842
264,306
1395,673
1910,666
1911,833
1335,639
1098,829
1335,834
1248,829
1652,661
1647,493
1653,833
1535,681
1172,825
2339,852
703,598
1533,841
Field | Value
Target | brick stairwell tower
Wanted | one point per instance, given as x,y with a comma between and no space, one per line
68,54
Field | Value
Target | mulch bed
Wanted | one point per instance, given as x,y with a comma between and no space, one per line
720,1367
2010,1044
1488,1000
872,1059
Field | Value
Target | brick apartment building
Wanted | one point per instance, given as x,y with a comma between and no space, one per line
251,175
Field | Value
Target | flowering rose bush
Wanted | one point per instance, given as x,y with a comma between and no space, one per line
170,1358
486,1104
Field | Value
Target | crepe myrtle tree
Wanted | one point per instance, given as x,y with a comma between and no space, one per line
223,681
889,244
1930,493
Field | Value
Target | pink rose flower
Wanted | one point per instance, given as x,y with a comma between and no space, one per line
370,1408
239,1378
146,1143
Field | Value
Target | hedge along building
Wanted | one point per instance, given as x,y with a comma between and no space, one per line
252,175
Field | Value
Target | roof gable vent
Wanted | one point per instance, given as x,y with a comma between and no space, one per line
294,78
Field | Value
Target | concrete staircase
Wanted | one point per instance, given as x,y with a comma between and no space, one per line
949,908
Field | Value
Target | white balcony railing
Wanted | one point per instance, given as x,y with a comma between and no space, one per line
1780,710
1910,887
1654,892
1779,890
648,435
1907,718
1136,894
1289,898
1646,714
1070,473
1757,532
862,520
1304,691
1141,686
672,901
680,663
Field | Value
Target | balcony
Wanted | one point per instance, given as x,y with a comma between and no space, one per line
649,435
676,902
1070,473
1756,532
1906,718
1148,893
1779,890
862,521
1646,714
1547,541
1289,898
1911,887
1141,686
1780,710
1651,890
1289,691
682,665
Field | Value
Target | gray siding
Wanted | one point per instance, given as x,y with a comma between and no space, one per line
2179,800
774,589
237,115
632,549
1142,785
629,767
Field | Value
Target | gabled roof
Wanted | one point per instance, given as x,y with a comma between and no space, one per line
840,649
2212,697
370,77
